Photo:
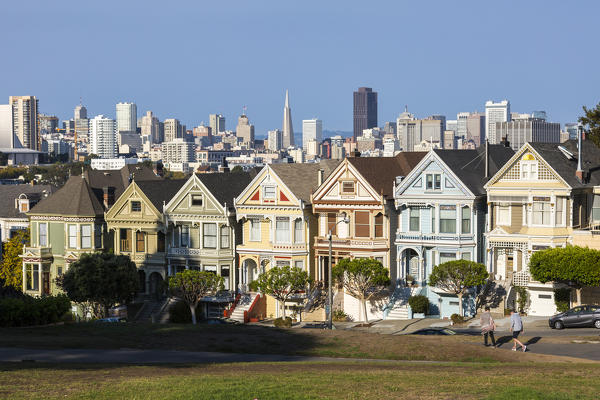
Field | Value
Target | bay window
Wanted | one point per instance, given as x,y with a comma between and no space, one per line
361,223
503,214
72,231
414,219
298,231
282,230
379,225
541,213
224,237
140,241
466,220
209,236
86,236
43,234
254,229
447,219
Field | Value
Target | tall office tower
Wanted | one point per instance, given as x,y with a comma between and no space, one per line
312,129
103,137
245,130
495,112
25,121
216,123
150,127
390,127
408,130
275,140
452,125
287,129
432,129
48,123
173,130
365,110
126,117
80,112
476,128
520,131
461,124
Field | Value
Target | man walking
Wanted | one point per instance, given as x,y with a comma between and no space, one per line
487,326
516,327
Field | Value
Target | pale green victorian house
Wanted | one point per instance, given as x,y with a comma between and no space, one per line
203,231
138,230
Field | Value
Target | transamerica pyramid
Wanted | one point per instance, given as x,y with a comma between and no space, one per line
288,130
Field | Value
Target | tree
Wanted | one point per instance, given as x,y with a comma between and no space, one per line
191,286
11,269
573,266
281,283
457,277
101,279
237,168
592,120
362,278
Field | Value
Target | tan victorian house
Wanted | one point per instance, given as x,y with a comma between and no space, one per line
536,201
362,190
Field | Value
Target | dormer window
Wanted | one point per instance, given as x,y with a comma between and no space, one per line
23,203
529,167
197,200
136,206
347,187
269,192
433,182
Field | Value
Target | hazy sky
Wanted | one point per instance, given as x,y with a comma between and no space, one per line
186,59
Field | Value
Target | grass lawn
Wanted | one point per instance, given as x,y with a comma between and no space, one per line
348,380
259,340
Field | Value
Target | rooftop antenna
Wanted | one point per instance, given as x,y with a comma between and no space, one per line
244,108
406,108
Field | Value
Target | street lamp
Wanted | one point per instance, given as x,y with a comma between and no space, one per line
346,220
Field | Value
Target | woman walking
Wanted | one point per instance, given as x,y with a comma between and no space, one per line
487,327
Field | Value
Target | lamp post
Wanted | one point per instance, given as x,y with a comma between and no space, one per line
346,220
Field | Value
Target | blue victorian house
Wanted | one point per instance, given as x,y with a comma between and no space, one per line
442,217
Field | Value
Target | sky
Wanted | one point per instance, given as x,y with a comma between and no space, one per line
188,59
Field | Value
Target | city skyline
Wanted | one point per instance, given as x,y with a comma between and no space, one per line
551,74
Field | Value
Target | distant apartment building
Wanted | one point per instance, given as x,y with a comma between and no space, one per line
126,117
25,121
390,145
390,127
461,124
48,123
412,131
216,123
214,156
476,128
103,137
365,110
495,112
151,127
449,139
312,129
275,140
245,130
520,131
312,148
178,151
173,130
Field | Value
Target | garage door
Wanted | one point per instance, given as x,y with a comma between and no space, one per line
542,302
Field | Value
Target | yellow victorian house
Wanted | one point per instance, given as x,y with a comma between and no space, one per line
139,231
538,200
277,221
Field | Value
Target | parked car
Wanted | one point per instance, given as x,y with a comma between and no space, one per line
434,331
576,317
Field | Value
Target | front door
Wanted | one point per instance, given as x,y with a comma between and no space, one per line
46,282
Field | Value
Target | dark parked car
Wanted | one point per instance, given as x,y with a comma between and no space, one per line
580,316
434,331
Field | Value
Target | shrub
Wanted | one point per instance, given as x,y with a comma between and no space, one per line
457,319
339,316
562,299
419,304
179,313
283,322
27,311
522,298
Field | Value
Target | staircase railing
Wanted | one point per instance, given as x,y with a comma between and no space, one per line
227,312
247,312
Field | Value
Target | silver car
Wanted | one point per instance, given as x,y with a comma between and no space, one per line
577,317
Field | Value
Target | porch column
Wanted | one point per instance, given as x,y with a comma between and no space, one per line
169,268
24,278
40,282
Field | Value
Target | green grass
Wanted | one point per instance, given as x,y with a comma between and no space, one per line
258,340
348,380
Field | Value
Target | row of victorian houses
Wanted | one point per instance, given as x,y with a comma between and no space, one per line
411,212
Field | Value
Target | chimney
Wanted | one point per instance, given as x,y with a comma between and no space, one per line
505,141
320,177
487,158
108,196
579,172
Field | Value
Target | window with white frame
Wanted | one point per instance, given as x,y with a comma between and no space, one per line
185,235
43,234
466,256
197,200
282,230
72,231
269,192
446,256
414,219
86,236
254,229
298,231
529,170
432,210
559,211
465,226
503,214
209,236
433,182
299,264
448,219
348,187
540,213
32,277
224,237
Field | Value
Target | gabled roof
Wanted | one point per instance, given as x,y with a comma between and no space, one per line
225,186
9,194
381,172
565,166
303,179
469,165
160,192
118,179
74,198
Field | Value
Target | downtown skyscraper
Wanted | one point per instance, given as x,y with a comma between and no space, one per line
365,110
287,128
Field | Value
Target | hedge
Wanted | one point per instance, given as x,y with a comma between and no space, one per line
419,304
28,311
